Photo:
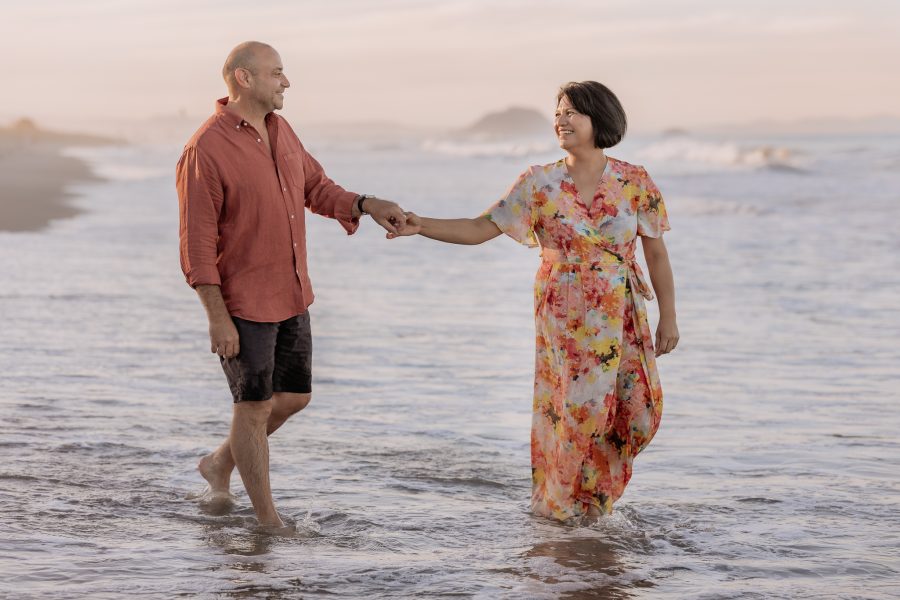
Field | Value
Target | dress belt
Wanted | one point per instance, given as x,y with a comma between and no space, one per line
635,274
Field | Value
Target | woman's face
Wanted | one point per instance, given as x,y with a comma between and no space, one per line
573,129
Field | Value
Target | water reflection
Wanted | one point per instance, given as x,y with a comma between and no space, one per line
591,568
237,537
264,591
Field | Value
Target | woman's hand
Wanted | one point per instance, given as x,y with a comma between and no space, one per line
666,336
412,226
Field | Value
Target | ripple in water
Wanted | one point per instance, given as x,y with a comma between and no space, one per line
773,475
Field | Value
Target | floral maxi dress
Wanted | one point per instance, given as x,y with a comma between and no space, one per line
597,396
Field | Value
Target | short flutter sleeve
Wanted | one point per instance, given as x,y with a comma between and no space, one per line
514,214
651,214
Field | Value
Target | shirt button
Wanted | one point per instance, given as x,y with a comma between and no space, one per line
283,189
297,272
295,244
258,140
292,216
237,126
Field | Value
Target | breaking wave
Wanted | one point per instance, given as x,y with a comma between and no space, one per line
474,149
722,154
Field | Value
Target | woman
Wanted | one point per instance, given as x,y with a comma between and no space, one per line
597,397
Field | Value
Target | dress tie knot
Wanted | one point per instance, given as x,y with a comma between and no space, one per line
605,257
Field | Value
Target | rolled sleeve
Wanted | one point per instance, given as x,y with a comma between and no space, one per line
325,197
200,197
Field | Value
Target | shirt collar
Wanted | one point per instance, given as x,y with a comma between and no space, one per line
231,118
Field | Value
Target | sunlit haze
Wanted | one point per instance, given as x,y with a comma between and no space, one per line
444,64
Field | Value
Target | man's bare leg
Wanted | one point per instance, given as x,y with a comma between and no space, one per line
250,448
217,466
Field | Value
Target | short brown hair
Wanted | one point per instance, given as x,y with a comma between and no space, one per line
599,103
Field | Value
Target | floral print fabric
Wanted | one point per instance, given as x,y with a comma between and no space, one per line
597,396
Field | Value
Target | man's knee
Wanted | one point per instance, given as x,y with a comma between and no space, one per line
253,411
289,403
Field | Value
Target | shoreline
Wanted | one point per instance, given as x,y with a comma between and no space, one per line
35,178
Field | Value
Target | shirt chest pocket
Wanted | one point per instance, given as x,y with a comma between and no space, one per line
293,166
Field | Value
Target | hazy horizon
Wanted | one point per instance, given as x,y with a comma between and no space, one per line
440,65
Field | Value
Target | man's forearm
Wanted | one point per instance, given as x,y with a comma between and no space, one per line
211,298
368,203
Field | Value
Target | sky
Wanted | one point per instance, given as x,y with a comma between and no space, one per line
443,64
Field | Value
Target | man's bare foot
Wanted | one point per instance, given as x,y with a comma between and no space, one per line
215,474
278,529
216,504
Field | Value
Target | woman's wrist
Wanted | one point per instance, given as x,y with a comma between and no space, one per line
667,314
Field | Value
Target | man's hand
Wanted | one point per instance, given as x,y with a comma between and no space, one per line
387,214
223,338
412,227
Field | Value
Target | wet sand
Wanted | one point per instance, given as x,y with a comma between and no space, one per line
35,176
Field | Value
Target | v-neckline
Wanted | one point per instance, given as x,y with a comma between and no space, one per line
589,210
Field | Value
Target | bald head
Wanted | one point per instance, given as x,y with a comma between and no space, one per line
255,78
244,56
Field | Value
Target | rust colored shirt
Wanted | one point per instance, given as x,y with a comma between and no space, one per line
242,214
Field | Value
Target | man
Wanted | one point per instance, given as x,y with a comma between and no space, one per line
243,182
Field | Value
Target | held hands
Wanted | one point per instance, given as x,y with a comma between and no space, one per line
387,214
412,226
666,336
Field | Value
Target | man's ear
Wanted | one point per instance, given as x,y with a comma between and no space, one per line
242,77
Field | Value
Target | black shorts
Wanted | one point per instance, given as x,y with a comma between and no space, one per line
273,357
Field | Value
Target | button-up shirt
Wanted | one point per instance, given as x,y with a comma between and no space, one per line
242,214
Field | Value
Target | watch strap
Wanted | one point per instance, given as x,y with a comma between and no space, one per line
359,202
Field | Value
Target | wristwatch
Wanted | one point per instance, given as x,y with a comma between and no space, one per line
359,202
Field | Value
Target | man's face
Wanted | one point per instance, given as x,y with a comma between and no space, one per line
269,82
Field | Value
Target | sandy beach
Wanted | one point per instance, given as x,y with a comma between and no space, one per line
35,175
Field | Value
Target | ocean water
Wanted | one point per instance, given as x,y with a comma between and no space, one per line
774,473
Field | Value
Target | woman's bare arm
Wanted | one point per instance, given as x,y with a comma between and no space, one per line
664,287
452,231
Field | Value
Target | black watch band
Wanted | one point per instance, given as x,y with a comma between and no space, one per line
359,202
